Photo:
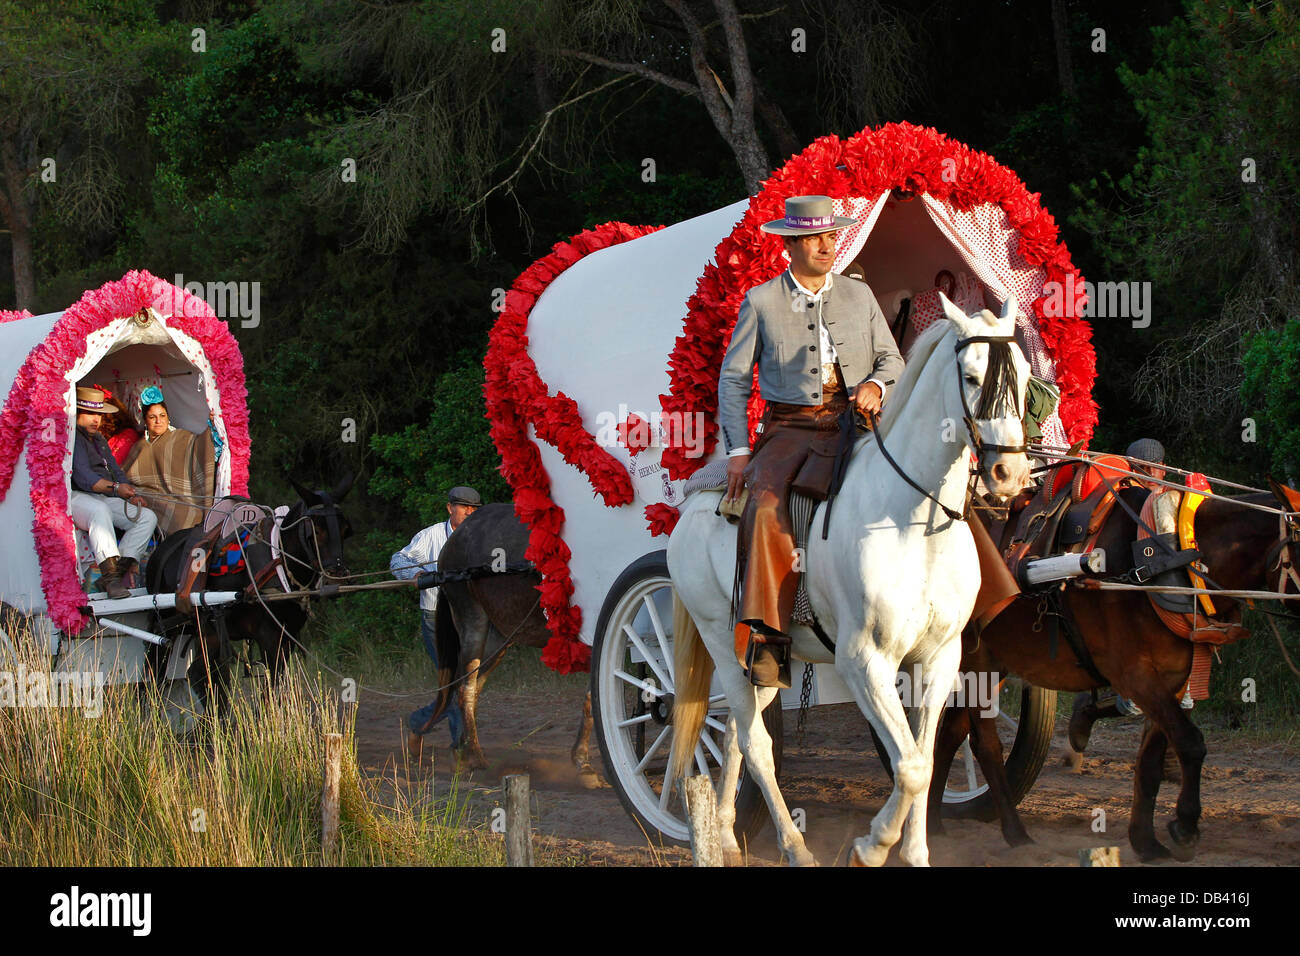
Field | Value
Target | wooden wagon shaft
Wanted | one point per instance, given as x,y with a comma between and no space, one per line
1167,589
430,579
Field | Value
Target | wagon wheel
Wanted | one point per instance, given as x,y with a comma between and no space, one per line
632,692
1026,720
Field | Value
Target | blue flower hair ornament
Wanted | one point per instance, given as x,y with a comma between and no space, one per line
150,396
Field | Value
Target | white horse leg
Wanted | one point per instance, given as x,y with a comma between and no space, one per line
727,783
915,850
878,698
747,703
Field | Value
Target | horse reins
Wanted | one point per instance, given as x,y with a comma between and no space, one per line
997,372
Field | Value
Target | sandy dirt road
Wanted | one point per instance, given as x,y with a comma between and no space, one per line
1250,792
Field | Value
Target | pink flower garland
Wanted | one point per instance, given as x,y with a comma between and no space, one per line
39,396
896,155
516,396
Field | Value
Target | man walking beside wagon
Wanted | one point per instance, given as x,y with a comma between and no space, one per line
418,557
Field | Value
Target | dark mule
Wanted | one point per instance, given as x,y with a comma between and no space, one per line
1135,653
311,550
477,619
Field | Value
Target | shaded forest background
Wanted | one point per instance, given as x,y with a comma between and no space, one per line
214,140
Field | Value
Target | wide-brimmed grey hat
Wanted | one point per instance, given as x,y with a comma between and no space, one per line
807,216
461,495
1147,449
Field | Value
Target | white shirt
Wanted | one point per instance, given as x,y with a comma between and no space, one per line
419,556
829,357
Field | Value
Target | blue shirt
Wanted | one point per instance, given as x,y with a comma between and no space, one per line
92,460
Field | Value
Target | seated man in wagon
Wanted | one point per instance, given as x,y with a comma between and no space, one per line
819,345
100,497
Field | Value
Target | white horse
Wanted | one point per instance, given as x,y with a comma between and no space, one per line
893,584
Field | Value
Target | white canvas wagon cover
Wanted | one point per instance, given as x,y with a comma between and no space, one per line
137,331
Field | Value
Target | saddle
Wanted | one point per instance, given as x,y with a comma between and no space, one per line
216,548
1065,515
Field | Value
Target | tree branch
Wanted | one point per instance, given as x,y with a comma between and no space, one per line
537,139
635,69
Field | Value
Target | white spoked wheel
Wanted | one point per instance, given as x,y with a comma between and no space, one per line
632,695
1026,717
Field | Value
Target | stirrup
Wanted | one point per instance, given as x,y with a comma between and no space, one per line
767,659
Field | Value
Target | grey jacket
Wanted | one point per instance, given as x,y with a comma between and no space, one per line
777,331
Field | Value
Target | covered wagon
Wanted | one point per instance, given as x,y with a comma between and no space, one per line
601,390
126,335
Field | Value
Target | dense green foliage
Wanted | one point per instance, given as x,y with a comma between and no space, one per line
380,170
1271,394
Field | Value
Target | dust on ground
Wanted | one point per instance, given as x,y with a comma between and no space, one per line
1250,790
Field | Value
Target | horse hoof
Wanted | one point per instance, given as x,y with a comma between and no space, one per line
589,779
871,856
733,858
1018,839
1154,853
1183,847
803,858
1072,759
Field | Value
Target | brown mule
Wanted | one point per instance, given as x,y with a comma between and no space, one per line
1134,651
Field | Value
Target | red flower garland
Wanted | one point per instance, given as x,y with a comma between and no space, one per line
516,396
39,394
896,155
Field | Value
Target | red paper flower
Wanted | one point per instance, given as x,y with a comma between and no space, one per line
662,518
634,434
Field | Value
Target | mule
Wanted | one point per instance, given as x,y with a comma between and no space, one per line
311,537
893,582
478,619
1243,549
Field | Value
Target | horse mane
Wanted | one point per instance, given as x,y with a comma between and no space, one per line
917,357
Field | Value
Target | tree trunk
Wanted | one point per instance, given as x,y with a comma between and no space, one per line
732,117
1061,32
18,212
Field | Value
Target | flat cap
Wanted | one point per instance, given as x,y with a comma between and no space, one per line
461,495
1147,449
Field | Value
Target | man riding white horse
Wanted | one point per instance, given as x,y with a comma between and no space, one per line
809,337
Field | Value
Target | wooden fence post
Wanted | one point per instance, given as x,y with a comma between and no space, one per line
1099,856
701,812
519,829
329,801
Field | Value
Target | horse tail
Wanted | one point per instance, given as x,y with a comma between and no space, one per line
693,672
446,638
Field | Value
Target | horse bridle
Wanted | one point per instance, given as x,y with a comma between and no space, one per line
1282,552
972,426
305,529
972,429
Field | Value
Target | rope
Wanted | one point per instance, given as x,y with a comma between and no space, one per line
1282,647
1049,451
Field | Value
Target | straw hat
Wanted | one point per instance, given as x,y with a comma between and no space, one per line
807,216
94,400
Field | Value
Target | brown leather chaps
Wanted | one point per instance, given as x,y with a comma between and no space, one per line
796,442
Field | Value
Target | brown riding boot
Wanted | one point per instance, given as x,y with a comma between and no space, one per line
110,579
767,662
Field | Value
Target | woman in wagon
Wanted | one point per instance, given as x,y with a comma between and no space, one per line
101,495
174,469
